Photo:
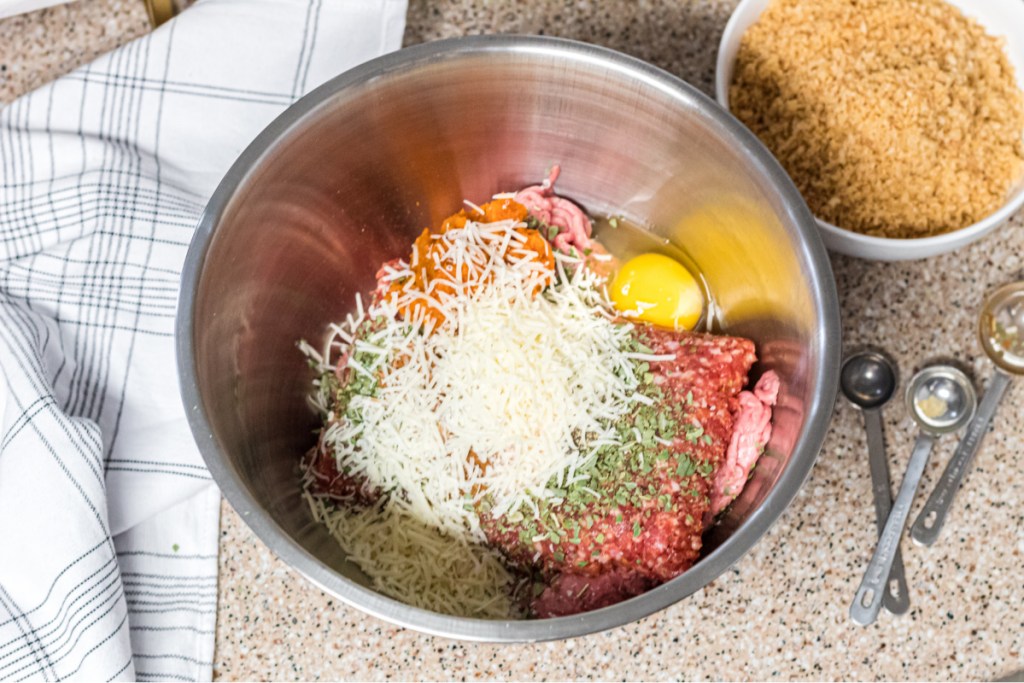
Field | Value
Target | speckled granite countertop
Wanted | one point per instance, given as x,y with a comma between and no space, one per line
781,612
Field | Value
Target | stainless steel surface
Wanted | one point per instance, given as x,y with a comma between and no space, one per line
349,175
941,399
952,389
868,600
868,380
928,524
1005,308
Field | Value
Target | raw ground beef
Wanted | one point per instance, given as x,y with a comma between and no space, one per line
575,593
752,430
633,537
324,479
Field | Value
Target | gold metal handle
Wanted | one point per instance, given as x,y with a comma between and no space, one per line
160,11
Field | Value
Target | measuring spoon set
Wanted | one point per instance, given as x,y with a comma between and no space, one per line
941,400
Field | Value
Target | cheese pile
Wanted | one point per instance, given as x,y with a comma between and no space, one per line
508,397
417,564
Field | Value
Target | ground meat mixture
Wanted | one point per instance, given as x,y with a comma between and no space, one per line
325,479
583,472
752,430
640,518
575,593
646,523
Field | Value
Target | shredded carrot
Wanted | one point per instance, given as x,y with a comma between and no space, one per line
433,272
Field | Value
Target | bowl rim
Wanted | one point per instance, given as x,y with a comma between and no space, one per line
825,347
855,243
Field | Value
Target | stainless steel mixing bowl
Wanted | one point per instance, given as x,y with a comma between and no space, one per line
348,176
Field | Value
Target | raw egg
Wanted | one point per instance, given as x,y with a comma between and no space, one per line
658,290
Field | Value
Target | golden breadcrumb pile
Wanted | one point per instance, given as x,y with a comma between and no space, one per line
895,118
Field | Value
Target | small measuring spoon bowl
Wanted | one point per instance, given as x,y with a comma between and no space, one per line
1001,331
1001,327
941,400
868,380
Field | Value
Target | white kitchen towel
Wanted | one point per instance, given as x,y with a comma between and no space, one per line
9,8
108,518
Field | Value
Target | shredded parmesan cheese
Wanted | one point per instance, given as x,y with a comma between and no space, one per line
418,565
511,392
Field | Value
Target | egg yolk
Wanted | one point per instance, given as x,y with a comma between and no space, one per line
658,290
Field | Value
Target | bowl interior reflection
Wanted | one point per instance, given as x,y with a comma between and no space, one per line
349,176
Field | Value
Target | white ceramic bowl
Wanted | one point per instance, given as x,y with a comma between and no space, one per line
1003,18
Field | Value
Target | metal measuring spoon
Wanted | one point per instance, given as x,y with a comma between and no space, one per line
1001,328
941,400
868,380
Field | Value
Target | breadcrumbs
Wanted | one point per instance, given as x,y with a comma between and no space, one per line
895,118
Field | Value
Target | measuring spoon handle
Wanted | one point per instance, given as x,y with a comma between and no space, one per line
868,601
929,522
897,598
